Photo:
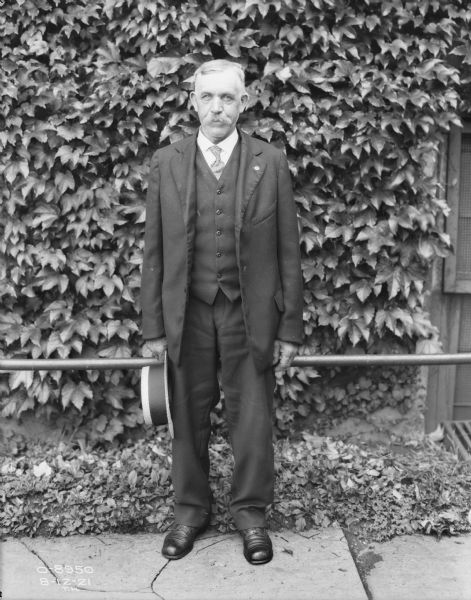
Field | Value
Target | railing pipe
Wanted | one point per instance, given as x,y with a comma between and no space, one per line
350,360
66,364
325,360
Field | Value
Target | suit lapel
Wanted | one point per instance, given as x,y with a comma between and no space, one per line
182,166
252,167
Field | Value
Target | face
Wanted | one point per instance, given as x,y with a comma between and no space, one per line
219,98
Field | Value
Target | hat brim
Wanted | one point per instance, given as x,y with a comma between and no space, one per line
156,395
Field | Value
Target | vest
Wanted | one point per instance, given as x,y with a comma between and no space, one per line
214,256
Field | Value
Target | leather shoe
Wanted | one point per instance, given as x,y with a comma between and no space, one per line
179,540
258,548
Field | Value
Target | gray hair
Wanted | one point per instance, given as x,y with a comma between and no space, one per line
218,65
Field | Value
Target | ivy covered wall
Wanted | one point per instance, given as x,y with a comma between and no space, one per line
358,92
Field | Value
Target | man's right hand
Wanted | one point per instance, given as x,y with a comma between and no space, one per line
155,348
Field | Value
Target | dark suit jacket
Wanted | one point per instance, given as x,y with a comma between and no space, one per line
267,246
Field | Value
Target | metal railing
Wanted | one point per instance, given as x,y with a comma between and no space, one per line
325,360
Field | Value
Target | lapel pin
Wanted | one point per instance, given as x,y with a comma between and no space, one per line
257,168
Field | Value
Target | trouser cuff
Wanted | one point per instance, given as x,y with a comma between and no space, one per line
193,516
249,517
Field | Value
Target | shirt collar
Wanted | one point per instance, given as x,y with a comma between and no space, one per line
227,145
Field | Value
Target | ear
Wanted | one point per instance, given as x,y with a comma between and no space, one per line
193,100
244,100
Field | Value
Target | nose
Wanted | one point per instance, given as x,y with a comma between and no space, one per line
216,105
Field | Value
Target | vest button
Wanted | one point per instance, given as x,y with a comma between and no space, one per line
218,232
219,211
218,275
218,191
219,254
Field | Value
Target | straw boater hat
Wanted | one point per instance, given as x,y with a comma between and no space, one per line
156,395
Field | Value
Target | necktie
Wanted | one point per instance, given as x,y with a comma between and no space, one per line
217,166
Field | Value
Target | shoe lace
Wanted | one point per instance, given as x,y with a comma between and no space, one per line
180,533
256,536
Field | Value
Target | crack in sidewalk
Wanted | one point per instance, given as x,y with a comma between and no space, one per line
97,537
210,536
155,579
41,559
209,545
109,590
350,538
118,591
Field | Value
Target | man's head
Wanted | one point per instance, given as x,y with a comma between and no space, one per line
219,97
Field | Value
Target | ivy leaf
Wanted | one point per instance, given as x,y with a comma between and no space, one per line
362,289
15,168
284,74
70,131
164,65
21,378
76,394
64,181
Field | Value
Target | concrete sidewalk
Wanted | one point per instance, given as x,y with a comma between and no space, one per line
316,565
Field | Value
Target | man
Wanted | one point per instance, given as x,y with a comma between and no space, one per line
222,291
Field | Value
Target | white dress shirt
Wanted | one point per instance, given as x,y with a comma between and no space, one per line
227,146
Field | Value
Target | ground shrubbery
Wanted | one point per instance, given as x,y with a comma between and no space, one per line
60,489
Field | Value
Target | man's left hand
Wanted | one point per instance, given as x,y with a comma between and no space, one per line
283,354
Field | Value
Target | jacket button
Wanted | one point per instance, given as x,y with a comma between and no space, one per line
218,192
218,232
219,254
218,275
219,211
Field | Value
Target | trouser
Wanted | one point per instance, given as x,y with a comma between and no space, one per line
214,338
